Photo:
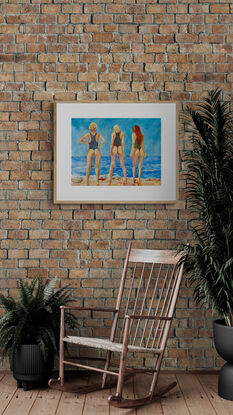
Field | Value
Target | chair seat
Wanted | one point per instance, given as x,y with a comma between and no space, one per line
107,344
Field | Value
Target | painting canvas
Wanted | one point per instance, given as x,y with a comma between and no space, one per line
118,161
115,152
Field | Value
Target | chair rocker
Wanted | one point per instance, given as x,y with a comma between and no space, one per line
144,310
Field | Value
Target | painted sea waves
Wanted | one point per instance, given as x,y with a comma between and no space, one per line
151,170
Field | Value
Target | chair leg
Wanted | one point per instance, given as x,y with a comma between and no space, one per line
121,375
61,348
122,368
61,369
156,375
107,362
154,382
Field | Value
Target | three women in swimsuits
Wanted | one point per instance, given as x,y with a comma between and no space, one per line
137,152
93,150
117,148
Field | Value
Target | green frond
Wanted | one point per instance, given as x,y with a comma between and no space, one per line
7,302
210,196
49,288
34,318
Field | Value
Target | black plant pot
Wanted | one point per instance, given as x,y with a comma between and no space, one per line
29,367
223,340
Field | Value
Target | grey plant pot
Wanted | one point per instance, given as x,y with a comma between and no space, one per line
29,366
223,340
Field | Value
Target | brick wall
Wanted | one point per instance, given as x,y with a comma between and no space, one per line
92,51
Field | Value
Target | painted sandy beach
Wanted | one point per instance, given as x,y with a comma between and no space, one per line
116,181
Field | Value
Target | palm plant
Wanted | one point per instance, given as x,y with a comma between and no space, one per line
34,318
209,263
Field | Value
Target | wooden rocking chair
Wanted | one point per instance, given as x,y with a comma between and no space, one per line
142,319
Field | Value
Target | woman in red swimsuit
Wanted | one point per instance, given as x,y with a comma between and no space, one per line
137,152
93,150
117,148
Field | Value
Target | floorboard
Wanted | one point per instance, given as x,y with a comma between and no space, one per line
21,402
142,386
72,403
195,397
128,392
173,403
8,388
96,402
210,386
194,394
46,402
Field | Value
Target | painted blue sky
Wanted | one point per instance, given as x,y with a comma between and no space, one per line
150,128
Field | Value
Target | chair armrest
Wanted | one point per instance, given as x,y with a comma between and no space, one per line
135,316
73,307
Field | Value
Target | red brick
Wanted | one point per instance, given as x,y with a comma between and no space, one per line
5,96
103,37
72,225
42,96
17,253
158,9
4,116
59,214
199,8
8,263
10,8
18,234
115,8
4,175
34,272
38,234
131,38
219,8
123,18
50,9
9,28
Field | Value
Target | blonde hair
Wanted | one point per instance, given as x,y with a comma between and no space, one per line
93,126
116,127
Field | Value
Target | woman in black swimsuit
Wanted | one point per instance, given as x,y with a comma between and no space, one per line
93,150
117,147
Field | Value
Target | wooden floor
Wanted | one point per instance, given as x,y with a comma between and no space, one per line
195,394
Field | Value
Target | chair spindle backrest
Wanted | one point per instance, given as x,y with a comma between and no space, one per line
149,287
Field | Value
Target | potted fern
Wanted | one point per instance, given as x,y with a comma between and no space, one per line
29,329
210,197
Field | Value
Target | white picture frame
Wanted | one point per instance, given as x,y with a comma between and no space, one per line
152,149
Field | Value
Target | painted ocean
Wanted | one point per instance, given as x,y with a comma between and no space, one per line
151,167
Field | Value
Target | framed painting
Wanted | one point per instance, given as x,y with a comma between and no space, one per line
115,152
